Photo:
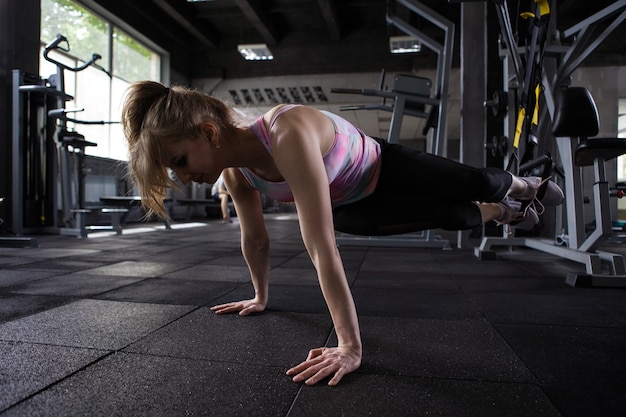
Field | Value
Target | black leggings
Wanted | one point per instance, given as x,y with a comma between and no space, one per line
420,191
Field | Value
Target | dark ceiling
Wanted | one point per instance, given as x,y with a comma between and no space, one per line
313,36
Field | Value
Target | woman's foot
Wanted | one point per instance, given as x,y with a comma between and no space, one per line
553,195
511,215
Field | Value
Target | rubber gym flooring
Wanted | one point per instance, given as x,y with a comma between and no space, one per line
121,326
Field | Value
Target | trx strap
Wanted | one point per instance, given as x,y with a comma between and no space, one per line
528,111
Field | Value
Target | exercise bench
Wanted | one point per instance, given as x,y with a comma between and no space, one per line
128,203
81,229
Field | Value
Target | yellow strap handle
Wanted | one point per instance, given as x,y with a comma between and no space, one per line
521,114
536,111
544,9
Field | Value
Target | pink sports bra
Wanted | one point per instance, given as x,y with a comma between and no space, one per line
352,162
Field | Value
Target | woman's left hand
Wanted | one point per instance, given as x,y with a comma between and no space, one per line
323,362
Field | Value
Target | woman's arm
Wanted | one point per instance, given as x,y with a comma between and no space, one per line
300,137
254,243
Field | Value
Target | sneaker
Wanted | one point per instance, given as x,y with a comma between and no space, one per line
512,217
553,195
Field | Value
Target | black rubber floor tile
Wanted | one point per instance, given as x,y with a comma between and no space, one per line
507,283
93,324
576,366
288,275
286,298
475,267
133,385
540,307
10,277
107,244
230,260
406,280
266,339
414,302
400,263
301,260
384,395
62,264
27,368
470,349
188,256
15,306
613,299
135,269
213,273
10,260
74,285
176,291
52,252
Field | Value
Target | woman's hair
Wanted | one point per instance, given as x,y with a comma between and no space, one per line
153,117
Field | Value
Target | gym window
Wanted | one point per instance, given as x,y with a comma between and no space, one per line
98,89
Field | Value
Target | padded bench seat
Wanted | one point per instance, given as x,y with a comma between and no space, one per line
605,148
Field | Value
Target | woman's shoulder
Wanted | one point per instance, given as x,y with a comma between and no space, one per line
287,113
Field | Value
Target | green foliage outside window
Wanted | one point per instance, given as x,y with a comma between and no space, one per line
88,34
124,57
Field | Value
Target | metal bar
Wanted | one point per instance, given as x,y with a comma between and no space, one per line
601,15
571,66
509,39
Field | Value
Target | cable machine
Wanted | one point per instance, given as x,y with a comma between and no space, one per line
547,84
48,194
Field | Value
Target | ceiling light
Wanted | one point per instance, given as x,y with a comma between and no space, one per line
255,52
404,45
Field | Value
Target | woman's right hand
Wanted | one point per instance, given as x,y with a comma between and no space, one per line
244,307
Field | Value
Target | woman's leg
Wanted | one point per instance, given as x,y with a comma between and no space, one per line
406,170
388,214
224,206
419,191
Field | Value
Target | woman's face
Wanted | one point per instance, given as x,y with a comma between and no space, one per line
193,160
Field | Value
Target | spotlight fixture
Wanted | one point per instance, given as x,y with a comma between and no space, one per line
255,52
404,45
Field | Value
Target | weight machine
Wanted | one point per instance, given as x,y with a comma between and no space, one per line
48,156
411,95
572,115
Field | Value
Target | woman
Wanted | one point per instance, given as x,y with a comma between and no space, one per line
220,193
339,178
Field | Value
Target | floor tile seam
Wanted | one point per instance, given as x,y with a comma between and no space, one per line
526,365
100,294
128,351
69,301
59,381
287,259
359,270
30,342
294,401
139,338
224,294
53,273
69,297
